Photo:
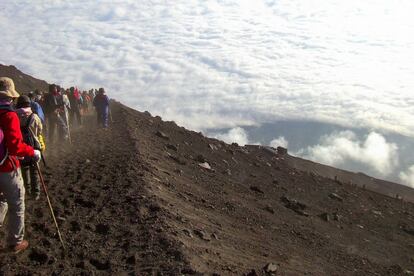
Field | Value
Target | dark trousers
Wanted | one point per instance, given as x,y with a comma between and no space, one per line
56,120
31,180
75,113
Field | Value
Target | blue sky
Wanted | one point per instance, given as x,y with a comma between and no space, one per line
231,64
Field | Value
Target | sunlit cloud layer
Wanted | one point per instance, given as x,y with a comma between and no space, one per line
407,177
208,64
345,148
279,142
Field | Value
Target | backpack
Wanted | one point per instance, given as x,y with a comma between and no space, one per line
3,150
52,102
29,139
4,154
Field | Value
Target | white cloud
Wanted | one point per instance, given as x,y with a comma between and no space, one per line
228,62
407,177
279,142
344,149
235,135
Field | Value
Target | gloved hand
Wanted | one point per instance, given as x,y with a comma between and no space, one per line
37,155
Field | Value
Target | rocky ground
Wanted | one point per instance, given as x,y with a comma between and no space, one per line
147,197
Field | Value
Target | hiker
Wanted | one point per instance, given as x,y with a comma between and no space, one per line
31,128
75,104
36,108
11,184
66,105
86,100
101,104
56,113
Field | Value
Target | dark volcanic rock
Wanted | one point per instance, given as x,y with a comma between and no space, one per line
294,205
256,189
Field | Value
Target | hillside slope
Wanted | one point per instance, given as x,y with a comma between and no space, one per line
23,82
135,199
147,197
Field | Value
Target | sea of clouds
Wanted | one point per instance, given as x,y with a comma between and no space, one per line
229,64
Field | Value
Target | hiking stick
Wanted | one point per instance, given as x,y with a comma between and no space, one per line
43,159
69,136
50,204
110,115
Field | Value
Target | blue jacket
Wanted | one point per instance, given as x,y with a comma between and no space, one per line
101,103
36,108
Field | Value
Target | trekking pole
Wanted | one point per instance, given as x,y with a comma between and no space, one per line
68,126
70,138
50,204
110,115
43,159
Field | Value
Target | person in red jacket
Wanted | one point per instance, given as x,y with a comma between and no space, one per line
11,183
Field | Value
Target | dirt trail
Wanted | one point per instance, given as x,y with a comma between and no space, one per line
109,222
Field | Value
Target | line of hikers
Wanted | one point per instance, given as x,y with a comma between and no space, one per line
22,123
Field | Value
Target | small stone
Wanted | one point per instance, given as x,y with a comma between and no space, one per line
214,236
177,159
188,233
87,161
256,189
100,264
409,230
271,268
172,147
336,197
205,165
38,256
378,213
102,229
188,271
202,235
200,158
252,273
61,219
269,209
212,146
132,260
324,216
294,205
162,135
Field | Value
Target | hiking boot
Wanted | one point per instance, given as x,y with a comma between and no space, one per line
20,246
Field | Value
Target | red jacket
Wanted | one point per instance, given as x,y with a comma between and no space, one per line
13,140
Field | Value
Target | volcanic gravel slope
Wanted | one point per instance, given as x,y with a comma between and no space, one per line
139,199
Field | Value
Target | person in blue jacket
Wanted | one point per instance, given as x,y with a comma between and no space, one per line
101,104
36,108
